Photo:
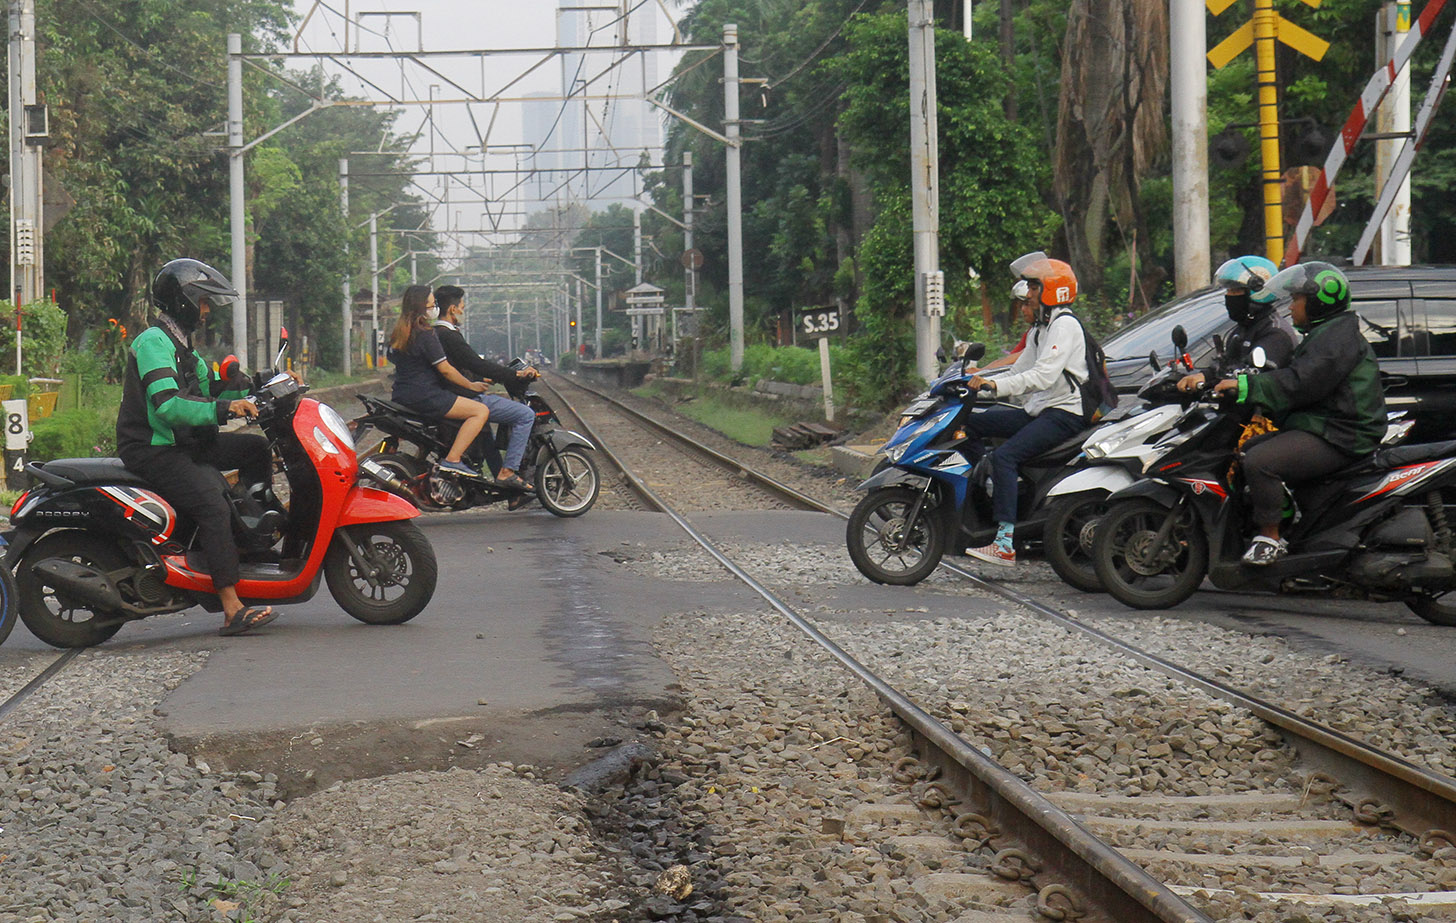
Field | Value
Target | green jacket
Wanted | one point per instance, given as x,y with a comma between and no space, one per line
169,396
1330,388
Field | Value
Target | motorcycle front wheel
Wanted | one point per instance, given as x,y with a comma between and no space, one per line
400,578
1134,569
888,549
568,482
1437,609
51,617
1067,539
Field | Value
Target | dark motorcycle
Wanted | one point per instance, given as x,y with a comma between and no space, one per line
558,462
94,547
1378,530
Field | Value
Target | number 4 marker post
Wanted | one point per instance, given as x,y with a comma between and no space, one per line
17,443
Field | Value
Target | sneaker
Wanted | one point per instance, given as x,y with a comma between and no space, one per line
459,468
993,554
1265,551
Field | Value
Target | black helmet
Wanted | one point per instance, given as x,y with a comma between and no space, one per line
183,285
1326,289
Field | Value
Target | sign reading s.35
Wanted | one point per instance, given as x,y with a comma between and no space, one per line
818,322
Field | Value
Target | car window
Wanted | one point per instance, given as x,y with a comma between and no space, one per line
1388,328
1441,326
1201,314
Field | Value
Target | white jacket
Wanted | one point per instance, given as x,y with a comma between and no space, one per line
1052,349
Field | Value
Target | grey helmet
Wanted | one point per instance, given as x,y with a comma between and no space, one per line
182,286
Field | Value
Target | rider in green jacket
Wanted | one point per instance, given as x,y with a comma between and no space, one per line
1327,402
167,428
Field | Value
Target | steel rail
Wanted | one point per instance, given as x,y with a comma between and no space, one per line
1116,889
41,678
1417,799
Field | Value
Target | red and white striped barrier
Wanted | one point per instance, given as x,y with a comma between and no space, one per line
1369,100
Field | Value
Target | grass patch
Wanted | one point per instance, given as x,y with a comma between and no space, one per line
748,425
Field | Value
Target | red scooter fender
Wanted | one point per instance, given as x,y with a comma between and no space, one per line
370,504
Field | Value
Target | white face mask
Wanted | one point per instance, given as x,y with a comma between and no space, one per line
432,312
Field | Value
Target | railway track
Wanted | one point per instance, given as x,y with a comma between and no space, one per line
1323,810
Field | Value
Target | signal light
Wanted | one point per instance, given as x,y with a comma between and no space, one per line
573,323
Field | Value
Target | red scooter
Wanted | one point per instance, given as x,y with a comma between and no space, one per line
94,547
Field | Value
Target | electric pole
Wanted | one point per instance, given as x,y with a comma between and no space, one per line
237,216
347,331
1188,38
925,189
1393,118
27,134
734,196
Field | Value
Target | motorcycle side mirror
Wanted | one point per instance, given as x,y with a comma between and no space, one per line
940,354
1153,360
1180,338
229,368
1259,357
282,348
973,352
1218,344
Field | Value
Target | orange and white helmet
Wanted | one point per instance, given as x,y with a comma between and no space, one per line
1058,281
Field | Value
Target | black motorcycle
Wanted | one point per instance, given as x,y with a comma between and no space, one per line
558,462
1378,530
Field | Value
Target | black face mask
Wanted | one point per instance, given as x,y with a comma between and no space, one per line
1239,308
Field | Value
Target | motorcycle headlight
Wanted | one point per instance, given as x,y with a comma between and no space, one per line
895,452
336,425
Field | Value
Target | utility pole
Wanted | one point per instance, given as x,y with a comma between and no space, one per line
580,333
598,341
27,230
347,330
1393,118
510,337
925,187
1188,39
374,289
690,275
734,195
238,218
637,243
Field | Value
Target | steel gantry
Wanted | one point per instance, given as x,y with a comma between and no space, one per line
469,92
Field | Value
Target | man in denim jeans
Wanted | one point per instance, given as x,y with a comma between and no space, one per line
503,410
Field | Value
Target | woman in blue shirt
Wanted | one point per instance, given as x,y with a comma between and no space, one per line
420,373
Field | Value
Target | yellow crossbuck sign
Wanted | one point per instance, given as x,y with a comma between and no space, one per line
1261,32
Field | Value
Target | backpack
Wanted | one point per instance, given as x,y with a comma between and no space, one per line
1099,397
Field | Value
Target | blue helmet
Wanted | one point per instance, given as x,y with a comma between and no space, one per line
1248,273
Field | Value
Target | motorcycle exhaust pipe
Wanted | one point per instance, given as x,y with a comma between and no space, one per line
81,584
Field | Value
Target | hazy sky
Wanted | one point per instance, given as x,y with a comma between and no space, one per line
446,25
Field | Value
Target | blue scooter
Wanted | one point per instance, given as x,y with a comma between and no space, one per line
929,497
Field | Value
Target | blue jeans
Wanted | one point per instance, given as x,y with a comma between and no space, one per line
1028,437
519,417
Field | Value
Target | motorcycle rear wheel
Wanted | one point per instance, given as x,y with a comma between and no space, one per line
54,620
9,605
1138,577
1067,539
567,483
884,547
397,595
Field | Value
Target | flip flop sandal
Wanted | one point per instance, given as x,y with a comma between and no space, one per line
515,482
248,619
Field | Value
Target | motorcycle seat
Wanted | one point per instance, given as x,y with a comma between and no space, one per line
402,410
1402,455
1058,453
94,471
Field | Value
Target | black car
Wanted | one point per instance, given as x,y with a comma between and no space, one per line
1408,315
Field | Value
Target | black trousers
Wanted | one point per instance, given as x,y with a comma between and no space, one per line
1291,456
191,480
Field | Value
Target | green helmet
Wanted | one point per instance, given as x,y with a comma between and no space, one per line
1326,289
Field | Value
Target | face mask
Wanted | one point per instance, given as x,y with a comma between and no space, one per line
1238,307
431,313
